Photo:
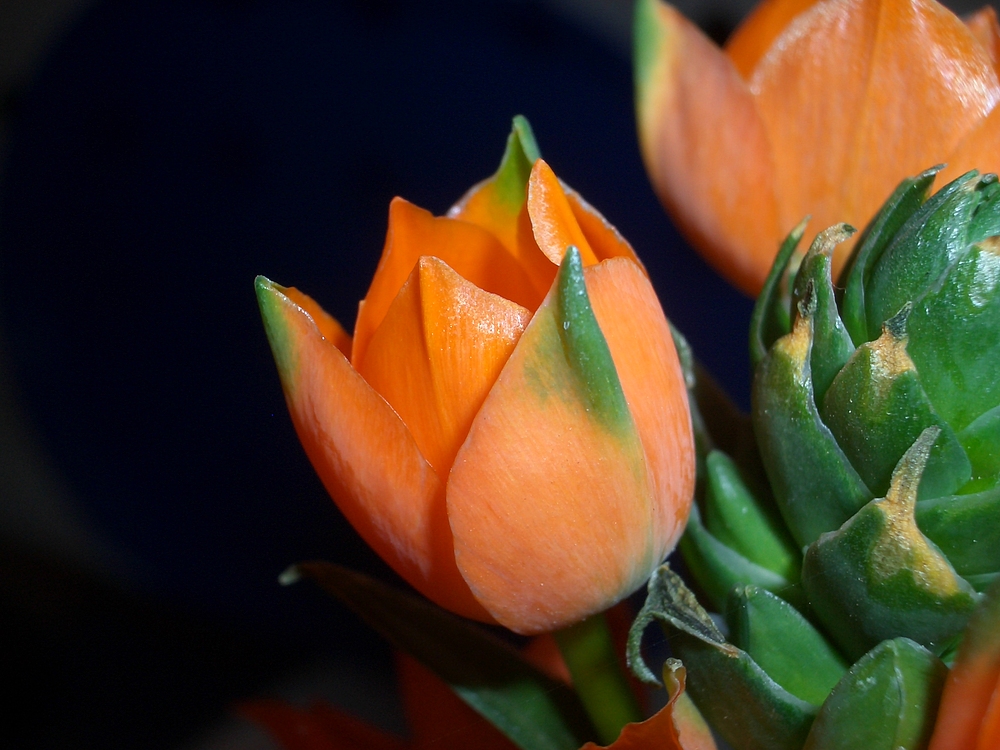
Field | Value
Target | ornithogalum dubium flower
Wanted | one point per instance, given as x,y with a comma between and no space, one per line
812,108
508,426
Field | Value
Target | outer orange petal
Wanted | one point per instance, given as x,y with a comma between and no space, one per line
677,726
549,502
328,326
642,347
319,727
552,217
969,714
758,31
705,146
472,251
438,719
857,94
979,150
438,352
365,456
983,25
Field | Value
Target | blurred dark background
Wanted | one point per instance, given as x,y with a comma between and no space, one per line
156,156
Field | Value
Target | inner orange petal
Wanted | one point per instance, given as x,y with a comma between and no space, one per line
858,94
470,250
328,326
552,217
438,352
983,25
758,31
604,239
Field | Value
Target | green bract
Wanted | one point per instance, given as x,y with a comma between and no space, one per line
864,524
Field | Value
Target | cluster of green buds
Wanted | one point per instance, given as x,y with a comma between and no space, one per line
847,538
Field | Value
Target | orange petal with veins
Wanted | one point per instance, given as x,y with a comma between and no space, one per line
470,250
364,454
705,146
437,353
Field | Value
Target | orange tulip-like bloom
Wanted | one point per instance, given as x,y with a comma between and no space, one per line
508,427
813,108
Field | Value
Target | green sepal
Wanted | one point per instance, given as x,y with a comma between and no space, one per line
981,442
966,528
878,577
771,317
832,345
786,645
986,219
718,568
796,447
511,179
736,517
533,710
752,712
930,242
876,408
954,334
887,701
904,201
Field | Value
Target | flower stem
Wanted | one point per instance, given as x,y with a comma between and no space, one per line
589,654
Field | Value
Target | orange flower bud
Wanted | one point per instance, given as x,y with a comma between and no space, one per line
813,108
508,427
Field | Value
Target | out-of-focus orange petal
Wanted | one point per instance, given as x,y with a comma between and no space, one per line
319,727
857,94
983,25
642,347
969,713
758,31
705,145
552,217
438,352
604,239
549,502
328,326
676,726
364,454
979,150
470,250
438,719
543,653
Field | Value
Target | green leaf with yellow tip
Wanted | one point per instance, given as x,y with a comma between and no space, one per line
878,577
832,345
786,645
904,201
796,447
738,519
933,239
887,701
771,314
876,408
752,712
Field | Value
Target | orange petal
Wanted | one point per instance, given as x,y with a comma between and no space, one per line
438,352
552,218
319,727
705,146
363,453
983,25
328,326
969,715
548,498
979,150
858,94
677,726
470,250
642,347
439,719
604,239
758,31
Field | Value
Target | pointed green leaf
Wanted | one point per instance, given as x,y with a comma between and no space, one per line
876,408
887,701
772,313
796,447
511,178
786,646
966,528
533,710
878,577
981,443
986,220
903,202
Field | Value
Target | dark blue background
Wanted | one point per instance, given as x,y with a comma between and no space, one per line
167,153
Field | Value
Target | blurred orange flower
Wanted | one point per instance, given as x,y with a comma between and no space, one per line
813,108
508,427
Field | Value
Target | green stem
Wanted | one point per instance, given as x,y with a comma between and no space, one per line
589,653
